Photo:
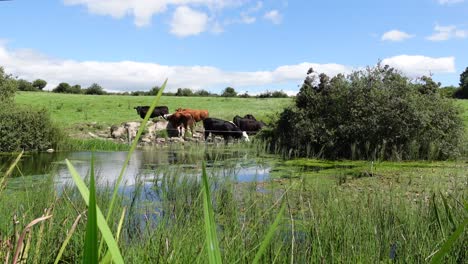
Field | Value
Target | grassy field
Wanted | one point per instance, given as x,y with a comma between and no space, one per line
69,110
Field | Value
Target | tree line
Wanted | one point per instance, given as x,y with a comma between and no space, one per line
460,92
96,89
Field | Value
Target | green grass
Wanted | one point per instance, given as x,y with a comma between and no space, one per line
408,208
69,110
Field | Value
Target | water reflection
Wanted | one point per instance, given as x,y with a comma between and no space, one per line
145,165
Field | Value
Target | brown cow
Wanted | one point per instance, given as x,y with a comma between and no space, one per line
197,115
179,119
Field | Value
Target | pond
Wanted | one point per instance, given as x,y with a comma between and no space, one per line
145,167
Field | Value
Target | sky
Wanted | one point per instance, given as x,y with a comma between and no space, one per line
253,46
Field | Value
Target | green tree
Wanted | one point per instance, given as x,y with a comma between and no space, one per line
202,93
75,89
24,85
95,89
8,87
376,113
462,92
229,92
39,84
184,92
62,88
154,90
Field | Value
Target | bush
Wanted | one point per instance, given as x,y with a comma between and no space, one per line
8,87
24,128
376,113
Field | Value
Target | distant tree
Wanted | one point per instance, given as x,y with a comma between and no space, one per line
62,88
138,93
462,92
229,92
154,90
244,95
75,89
94,89
448,91
184,92
202,93
279,94
39,84
24,85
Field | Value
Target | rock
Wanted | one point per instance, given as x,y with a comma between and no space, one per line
93,135
118,132
146,140
51,150
160,125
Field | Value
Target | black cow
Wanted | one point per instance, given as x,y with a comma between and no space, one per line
251,126
158,111
249,116
223,128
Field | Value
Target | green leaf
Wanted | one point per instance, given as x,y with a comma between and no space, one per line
212,244
101,221
132,149
269,235
90,248
449,243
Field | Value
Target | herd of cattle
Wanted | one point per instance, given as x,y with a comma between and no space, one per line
240,127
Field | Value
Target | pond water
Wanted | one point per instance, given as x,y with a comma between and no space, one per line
145,165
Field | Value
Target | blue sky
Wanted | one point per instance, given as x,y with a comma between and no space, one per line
210,44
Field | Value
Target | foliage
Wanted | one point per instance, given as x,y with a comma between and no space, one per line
274,94
39,84
75,89
203,93
448,91
8,87
62,88
27,129
372,113
462,92
184,92
229,92
24,85
95,89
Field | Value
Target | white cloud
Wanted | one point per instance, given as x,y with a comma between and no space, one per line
274,16
395,35
186,22
131,75
415,66
449,2
447,32
143,10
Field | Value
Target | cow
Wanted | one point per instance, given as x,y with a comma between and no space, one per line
197,115
250,116
179,119
158,111
223,128
251,126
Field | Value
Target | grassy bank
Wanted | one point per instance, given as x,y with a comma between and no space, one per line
345,212
69,110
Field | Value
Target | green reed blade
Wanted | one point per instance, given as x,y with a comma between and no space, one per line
101,221
9,171
212,244
449,243
90,247
132,149
269,235
448,211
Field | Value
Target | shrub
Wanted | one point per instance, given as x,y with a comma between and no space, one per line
8,87
24,128
373,113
